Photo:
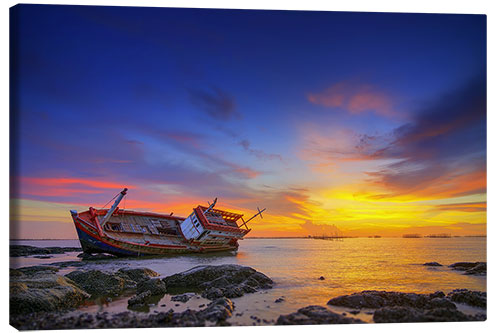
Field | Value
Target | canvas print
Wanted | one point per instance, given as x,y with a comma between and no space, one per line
175,167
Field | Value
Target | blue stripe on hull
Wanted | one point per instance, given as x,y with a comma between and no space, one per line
93,245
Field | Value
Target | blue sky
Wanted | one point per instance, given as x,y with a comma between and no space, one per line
280,108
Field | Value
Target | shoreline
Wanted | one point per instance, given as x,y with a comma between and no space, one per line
241,308
291,237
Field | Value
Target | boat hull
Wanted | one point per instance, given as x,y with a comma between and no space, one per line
94,240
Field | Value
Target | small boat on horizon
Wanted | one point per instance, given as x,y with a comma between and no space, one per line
132,233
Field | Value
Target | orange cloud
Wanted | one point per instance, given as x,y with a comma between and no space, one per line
443,186
320,229
71,181
464,207
355,98
249,173
64,187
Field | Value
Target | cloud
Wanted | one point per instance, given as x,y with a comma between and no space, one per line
337,145
355,98
443,151
320,229
290,203
182,138
187,153
244,171
71,181
440,153
260,154
153,155
464,207
215,103
67,187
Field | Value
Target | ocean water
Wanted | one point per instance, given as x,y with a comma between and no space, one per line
295,265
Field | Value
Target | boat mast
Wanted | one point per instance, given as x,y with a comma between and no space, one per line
211,206
112,209
259,212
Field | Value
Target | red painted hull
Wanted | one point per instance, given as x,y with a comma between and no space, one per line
95,240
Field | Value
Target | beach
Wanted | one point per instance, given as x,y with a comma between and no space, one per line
304,272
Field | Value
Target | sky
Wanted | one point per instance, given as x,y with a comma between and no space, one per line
337,122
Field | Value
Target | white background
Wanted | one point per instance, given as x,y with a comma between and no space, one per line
417,6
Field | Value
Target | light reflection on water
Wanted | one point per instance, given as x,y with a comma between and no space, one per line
351,265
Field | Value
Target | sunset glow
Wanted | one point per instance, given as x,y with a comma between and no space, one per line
359,124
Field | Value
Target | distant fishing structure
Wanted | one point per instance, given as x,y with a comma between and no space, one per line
439,236
329,238
334,236
412,236
443,235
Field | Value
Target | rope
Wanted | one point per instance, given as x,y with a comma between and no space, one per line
110,200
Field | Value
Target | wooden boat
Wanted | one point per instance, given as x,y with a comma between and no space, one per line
132,233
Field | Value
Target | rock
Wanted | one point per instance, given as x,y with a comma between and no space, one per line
437,294
257,319
96,282
26,250
315,315
213,293
401,314
43,257
182,297
217,311
36,269
472,298
279,300
97,256
479,269
155,286
72,263
39,288
439,302
137,274
432,263
470,268
218,281
140,299
232,291
479,317
378,299
463,266
321,278
50,321
13,273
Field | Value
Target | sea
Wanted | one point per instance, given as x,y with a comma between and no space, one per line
305,271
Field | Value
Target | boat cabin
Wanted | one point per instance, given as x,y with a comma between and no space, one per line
209,226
